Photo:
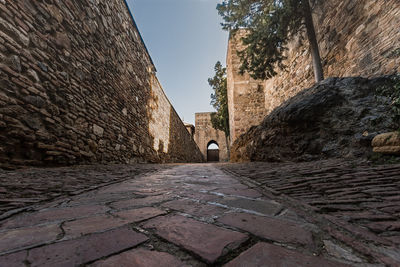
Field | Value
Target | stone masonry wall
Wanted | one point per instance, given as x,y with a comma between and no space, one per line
246,97
77,86
204,133
356,37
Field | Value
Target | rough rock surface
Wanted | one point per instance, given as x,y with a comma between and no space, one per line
338,117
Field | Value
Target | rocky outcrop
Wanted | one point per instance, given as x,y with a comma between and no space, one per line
338,117
387,143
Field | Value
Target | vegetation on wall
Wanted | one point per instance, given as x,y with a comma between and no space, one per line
219,99
271,24
392,90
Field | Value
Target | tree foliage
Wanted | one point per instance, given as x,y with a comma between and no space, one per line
219,99
270,25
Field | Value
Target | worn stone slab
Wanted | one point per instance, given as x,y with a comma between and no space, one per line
269,228
85,249
383,226
240,192
199,195
91,225
14,259
206,240
23,184
140,258
139,202
265,207
263,254
27,237
56,214
140,214
194,208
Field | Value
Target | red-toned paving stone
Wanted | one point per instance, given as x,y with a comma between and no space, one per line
269,228
140,214
26,237
263,254
140,258
140,202
85,249
265,207
54,214
14,259
194,208
21,187
91,225
203,196
205,240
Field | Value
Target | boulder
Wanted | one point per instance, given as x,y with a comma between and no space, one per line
387,143
338,117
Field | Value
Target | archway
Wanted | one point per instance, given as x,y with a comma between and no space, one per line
212,151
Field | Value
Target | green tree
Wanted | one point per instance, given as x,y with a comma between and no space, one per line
270,25
219,100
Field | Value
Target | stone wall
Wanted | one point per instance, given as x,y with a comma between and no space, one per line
205,133
356,37
78,86
246,97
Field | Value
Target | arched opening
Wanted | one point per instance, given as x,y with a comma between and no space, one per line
212,151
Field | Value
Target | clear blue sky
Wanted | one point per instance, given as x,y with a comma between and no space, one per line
185,39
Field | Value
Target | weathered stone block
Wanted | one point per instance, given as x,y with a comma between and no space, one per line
387,143
97,130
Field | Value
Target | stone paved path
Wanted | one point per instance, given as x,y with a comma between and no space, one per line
359,204
187,215
22,188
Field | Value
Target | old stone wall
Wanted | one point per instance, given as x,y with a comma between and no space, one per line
356,37
78,86
206,134
246,97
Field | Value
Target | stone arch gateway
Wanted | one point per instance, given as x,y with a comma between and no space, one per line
212,151
205,135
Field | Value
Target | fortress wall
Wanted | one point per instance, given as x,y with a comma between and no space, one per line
77,86
356,38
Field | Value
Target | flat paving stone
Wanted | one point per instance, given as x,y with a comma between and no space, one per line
206,240
199,195
140,214
91,225
21,187
140,202
194,208
26,237
140,258
53,214
14,259
85,249
265,207
263,254
269,228
240,192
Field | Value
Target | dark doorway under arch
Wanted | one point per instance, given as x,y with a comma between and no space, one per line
212,151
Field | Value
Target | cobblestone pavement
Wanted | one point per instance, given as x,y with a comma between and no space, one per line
362,201
25,187
199,215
